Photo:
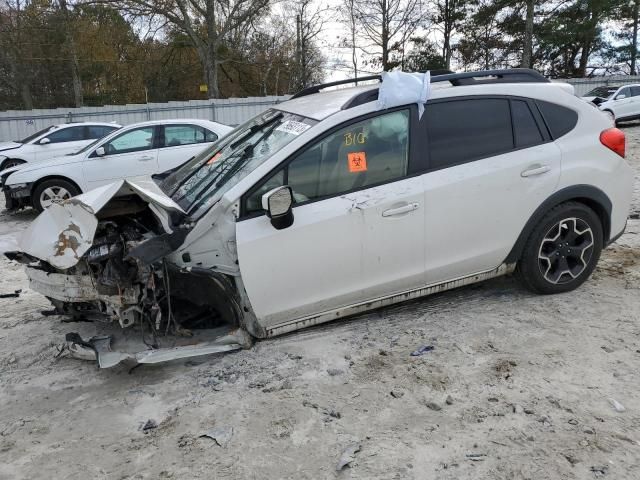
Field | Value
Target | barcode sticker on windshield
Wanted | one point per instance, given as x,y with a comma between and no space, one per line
293,127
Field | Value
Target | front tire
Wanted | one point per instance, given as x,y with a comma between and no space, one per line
53,191
563,249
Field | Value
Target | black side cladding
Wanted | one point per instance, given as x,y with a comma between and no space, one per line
156,248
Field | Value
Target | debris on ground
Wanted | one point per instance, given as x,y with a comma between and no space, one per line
149,425
571,459
476,457
422,350
600,471
348,456
433,406
15,294
221,435
618,407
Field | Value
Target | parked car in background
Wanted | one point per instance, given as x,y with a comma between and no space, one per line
52,141
133,151
623,104
329,205
600,94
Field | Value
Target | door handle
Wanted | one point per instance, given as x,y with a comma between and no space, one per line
538,170
146,158
410,207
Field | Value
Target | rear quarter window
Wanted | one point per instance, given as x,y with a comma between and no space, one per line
559,120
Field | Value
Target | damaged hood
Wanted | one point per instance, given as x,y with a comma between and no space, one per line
64,232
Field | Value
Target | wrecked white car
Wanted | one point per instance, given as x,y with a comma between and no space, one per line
330,205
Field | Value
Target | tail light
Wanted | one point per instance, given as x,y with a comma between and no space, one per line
613,139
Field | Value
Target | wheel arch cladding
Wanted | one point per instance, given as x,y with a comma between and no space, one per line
9,159
588,195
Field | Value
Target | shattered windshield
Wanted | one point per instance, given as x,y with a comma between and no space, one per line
204,179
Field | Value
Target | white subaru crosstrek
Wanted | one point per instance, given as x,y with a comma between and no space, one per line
52,141
135,151
326,206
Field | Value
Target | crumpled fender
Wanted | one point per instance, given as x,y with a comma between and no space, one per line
64,232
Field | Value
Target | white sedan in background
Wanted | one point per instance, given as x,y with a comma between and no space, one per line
52,142
135,151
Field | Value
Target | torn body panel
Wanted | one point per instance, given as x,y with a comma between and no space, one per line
111,262
73,223
111,350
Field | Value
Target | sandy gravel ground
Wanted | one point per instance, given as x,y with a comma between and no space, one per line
518,386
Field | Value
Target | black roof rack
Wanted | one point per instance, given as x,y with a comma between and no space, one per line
512,75
316,88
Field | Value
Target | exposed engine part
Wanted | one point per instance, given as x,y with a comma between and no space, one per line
123,278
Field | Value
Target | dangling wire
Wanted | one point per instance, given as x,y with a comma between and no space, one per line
168,288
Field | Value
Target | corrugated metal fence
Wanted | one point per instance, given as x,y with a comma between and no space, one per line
583,85
16,124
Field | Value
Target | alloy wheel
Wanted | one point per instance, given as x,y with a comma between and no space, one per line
52,195
565,250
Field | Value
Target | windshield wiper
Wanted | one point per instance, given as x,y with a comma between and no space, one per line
246,153
254,129
225,175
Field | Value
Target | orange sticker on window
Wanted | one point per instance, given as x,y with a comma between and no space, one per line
357,162
214,158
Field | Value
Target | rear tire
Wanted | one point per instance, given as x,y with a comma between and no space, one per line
53,191
563,249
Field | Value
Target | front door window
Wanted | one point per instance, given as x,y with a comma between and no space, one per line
133,141
367,153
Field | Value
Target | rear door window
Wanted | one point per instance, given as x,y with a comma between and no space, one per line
70,134
635,91
176,135
98,131
461,131
525,129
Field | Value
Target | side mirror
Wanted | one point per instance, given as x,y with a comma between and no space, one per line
621,96
278,203
100,151
44,141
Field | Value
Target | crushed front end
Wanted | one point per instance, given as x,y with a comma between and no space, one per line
103,259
